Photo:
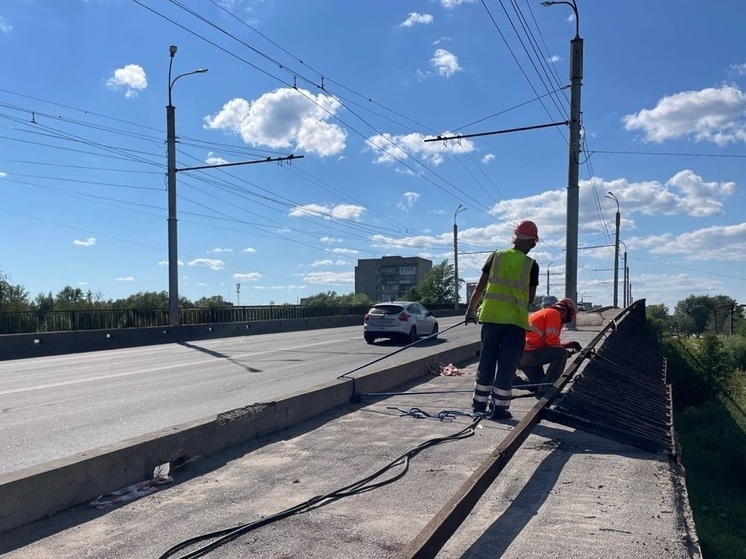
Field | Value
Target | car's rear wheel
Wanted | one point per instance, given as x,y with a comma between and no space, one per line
412,337
368,338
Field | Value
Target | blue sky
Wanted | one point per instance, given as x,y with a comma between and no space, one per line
355,88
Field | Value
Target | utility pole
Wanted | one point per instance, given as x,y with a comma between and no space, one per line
611,196
173,258
460,209
627,302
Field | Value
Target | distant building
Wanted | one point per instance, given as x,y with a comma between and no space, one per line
390,277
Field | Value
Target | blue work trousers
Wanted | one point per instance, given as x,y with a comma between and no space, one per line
502,346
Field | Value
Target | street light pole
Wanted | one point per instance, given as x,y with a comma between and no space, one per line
611,196
573,189
625,276
550,263
460,209
173,255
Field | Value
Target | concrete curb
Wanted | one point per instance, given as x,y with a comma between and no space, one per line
33,493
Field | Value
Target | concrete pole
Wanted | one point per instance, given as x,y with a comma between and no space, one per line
626,280
573,190
173,257
616,261
460,209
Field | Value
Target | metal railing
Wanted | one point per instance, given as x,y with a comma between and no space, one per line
29,322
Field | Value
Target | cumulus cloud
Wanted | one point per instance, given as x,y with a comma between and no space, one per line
211,263
391,149
89,242
222,250
408,200
249,249
214,159
125,279
131,77
715,114
330,240
414,19
279,287
284,118
250,276
450,4
445,63
554,59
718,242
328,262
488,158
335,278
340,211
342,250
165,263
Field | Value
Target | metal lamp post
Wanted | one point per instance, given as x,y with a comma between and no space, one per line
611,196
173,257
573,190
550,263
460,209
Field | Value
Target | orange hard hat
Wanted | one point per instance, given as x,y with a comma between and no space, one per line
526,231
569,304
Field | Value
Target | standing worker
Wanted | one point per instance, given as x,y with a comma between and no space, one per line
509,280
544,346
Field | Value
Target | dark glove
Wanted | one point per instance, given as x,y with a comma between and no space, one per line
470,317
573,345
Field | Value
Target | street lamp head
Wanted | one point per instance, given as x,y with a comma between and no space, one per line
201,70
172,50
547,3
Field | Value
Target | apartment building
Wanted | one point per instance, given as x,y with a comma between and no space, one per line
390,277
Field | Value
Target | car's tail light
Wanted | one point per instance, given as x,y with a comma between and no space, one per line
404,317
367,316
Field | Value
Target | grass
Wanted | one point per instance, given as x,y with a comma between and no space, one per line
713,441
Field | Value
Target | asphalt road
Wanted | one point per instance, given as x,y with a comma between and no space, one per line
53,407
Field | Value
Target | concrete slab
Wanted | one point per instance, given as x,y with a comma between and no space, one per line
565,494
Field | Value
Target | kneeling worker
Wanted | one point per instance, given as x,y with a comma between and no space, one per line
543,344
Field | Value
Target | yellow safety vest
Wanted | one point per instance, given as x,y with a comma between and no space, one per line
506,296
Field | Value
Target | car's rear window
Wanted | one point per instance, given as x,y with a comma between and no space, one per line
386,309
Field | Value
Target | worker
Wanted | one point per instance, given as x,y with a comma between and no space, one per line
544,346
508,281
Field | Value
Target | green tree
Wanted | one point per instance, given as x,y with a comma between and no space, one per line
12,297
436,287
214,302
693,314
331,299
70,298
658,319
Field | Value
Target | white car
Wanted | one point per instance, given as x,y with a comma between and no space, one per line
399,319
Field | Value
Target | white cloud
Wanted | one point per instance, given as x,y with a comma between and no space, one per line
340,211
200,284
716,115
738,69
450,4
336,278
249,249
328,262
125,279
214,160
165,263
329,240
250,276
89,242
222,250
211,263
445,63
342,251
82,283
391,149
3,174
711,243
5,26
415,18
284,118
554,59
488,158
131,77
408,200
279,287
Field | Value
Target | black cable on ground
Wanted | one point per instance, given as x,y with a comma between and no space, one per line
362,486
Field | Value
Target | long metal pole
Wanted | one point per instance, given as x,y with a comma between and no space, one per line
455,264
616,261
627,302
173,257
573,189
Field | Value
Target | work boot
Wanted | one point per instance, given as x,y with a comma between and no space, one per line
478,407
498,414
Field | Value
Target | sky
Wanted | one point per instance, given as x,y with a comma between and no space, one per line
352,90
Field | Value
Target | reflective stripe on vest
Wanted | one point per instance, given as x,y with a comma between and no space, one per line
506,296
